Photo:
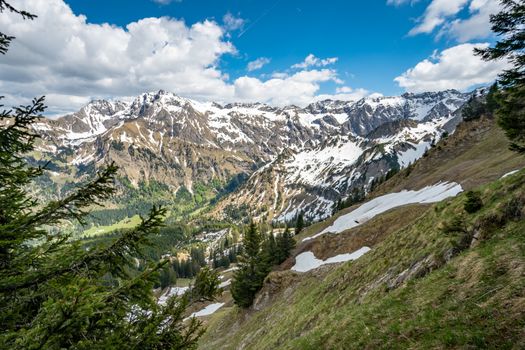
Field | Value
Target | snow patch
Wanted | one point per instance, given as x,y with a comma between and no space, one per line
376,206
208,310
510,173
171,292
307,261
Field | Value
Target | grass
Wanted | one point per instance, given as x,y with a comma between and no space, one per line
122,224
475,300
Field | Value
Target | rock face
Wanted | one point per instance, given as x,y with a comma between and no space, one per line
297,159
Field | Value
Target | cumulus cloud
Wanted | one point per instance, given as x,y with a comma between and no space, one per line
231,22
299,88
477,26
312,61
60,53
444,16
346,93
257,64
436,14
453,68
72,61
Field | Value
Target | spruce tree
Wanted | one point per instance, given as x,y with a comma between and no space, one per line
285,245
509,25
53,293
299,223
249,277
206,285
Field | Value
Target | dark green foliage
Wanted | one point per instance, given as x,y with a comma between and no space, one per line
473,202
299,223
356,196
253,267
256,262
473,109
53,293
285,245
509,24
168,277
206,285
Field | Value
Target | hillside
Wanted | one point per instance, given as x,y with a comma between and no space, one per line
435,276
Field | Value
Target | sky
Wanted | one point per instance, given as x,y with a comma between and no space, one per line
275,51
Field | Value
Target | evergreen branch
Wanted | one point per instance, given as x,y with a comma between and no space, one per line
72,206
112,257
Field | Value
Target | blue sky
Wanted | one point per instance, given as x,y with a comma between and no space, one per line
274,51
369,38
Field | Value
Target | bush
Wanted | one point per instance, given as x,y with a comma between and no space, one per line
473,203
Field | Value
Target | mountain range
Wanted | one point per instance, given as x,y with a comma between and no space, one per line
263,161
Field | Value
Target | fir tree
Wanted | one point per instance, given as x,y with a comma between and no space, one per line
53,293
299,223
249,277
285,245
206,285
509,25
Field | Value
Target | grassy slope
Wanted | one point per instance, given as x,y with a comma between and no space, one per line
475,300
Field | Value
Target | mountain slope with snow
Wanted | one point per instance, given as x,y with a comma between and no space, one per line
298,159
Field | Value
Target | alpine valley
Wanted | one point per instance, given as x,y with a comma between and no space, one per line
239,160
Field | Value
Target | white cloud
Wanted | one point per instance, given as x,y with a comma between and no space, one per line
453,68
477,26
444,16
60,53
436,14
231,22
299,88
72,61
257,64
312,61
346,93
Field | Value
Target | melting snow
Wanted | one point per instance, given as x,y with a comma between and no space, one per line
412,154
225,283
376,206
307,261
510,173
208,310
171,292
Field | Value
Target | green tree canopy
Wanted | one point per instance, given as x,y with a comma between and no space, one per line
509,25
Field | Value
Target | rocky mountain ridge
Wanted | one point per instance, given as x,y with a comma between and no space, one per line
292,153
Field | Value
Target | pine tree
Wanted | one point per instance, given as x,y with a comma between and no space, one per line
285,245
299,223
206,285
509,24
492,99
249,277
53,293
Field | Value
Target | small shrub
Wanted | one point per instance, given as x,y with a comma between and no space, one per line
473,203
454,225
513,209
